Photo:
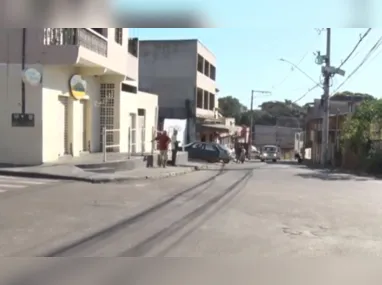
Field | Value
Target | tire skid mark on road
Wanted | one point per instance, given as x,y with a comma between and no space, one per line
76,246
177,242
146,245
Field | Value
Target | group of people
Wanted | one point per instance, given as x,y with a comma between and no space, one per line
164,141
239,153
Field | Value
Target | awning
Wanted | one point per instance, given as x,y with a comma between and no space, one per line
220,127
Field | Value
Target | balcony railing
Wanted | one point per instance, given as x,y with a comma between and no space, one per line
81,37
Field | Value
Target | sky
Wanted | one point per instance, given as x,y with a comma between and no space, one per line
249,58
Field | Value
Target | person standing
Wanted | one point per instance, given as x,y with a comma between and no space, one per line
163,143
174,147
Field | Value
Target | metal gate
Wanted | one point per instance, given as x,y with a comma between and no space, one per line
132,139
107,114
142,130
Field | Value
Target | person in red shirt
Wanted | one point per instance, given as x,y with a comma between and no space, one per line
163,142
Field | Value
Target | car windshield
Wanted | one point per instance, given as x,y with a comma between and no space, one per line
269,149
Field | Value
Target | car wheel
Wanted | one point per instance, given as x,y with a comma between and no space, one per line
226,161
274,160
262,160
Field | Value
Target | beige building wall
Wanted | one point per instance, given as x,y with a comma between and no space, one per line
19,145
63,125
204,82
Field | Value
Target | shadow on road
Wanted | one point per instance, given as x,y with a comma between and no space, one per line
331,176
146,245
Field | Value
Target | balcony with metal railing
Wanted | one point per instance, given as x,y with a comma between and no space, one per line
84,37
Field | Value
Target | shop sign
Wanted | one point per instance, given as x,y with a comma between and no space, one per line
77,87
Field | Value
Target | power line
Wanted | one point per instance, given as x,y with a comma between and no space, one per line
355,47
365,59
297,65
306,93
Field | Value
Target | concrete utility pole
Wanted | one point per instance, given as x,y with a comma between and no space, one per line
326,101
250,138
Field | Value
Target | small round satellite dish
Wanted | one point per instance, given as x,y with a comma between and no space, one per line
32,76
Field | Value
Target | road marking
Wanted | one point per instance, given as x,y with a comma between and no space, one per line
12,186
3,190
24,181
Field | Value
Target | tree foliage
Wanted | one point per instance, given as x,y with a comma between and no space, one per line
281,113
231,107
349,96
362,130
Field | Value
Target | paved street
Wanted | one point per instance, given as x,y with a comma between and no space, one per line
250,210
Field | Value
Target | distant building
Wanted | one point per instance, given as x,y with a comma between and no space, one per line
183,74
339,110
284,137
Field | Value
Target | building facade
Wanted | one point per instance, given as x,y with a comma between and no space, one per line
89,83
284,137
183,74
339,111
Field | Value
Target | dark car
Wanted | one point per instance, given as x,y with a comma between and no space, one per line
210,152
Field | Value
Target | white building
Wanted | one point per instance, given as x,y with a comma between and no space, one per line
66,122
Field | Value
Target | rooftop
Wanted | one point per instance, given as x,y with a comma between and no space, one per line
178,41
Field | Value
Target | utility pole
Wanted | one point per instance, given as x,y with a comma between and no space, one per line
250,139
326,101
250,136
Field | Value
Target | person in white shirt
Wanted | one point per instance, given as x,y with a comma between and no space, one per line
174,147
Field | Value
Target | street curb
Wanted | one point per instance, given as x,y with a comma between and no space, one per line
95,180
43,176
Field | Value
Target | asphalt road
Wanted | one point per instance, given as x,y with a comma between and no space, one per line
253,210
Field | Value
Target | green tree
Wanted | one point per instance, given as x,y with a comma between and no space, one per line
350,96
231,107
359,132
270,113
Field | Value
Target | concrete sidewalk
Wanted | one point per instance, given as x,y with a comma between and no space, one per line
71,172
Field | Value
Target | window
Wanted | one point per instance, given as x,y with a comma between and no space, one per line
200,63
209,147
118,35
195,145
129,88
205,99
212,101
270,149
133,46
206,68
213,72
141,112
99,31
199,98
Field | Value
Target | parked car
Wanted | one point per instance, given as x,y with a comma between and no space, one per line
270,153
210,152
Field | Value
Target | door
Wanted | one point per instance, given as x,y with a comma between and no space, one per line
195,151
63,126
82,125
210,152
